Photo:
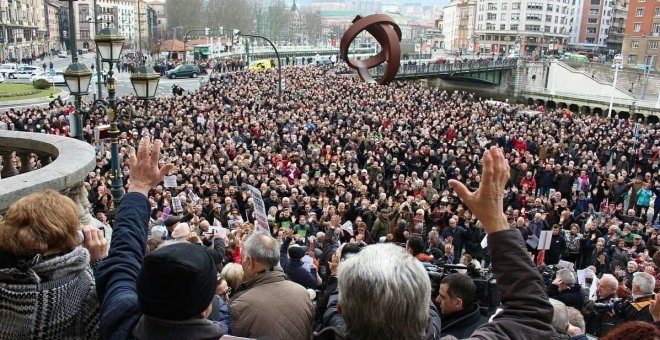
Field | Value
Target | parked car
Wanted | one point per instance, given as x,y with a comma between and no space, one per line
183,71
644,66
62,54
58,78
260,65
8,70
26,72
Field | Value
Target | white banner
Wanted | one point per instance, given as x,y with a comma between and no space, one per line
261,219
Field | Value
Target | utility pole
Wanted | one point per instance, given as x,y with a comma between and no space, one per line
139,27
99,90
647,74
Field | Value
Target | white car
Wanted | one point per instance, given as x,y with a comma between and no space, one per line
2,78
63,54
8,70
26,72
58,78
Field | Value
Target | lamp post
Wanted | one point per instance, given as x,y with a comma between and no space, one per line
109,44
277,55
616,65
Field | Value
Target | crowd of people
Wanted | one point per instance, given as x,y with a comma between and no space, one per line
342,166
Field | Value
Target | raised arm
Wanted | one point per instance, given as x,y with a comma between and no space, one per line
117,274
524,300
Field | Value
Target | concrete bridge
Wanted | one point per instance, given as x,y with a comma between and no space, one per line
481,71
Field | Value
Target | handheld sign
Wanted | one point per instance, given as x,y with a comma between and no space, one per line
261,218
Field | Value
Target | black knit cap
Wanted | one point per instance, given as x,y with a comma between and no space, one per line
296,252
176,282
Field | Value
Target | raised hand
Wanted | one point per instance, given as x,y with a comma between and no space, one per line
486,203
145,173
95,243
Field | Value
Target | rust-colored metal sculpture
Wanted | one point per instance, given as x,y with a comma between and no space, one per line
388,35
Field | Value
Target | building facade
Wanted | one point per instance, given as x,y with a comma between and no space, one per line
642,33
53,42
593,20
459,25
161,19
22,29
523,27
617,28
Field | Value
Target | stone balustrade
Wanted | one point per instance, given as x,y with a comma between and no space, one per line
33,162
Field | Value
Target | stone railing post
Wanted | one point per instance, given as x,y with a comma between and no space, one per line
8,167
78,193
26,166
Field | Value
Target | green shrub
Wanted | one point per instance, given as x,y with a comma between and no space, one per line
41,84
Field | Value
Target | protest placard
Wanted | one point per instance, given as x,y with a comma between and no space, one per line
170,182
260,216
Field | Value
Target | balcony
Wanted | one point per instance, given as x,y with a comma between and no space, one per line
33,162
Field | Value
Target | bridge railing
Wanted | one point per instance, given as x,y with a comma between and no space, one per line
45,162
427,69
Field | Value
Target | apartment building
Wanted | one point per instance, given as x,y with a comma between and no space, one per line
641,42
458,25
22,29
592,22
523,27
617,27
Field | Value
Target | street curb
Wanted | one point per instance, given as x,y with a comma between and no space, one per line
64,95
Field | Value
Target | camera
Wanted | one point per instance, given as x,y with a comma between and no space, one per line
613,304
486,296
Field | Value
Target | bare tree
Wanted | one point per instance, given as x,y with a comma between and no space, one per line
185,13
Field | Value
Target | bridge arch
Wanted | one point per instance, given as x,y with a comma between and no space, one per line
598,111
551,104
586,110
562,105
622,114
653,119
638,116
530,101
539,102
574,108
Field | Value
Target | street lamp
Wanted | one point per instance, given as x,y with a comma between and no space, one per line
109,44
145,82
616,65
277,55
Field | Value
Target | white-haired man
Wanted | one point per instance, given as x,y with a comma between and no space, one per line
383,291
637,309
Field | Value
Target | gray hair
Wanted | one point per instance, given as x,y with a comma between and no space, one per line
396,288
559,315
645,282
433,233
158,232
262,248
609,280
567,276
576,319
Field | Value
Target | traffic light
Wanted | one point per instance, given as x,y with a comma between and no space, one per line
206,31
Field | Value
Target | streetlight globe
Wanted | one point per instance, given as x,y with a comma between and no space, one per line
109,43
145,82
78,77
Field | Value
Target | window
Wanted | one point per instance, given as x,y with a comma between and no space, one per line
532,27
656,29
503,16
492,7
632,59
535,5
535,17
657,11
504,7
637,27
549,7
502,27
491,16
515,5
514,27
639,12
593,20
593,11
590,41
595,2
653,44
548,18
515,16
591,30
634,44
490,26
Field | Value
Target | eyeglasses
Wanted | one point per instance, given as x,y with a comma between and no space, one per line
226,292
